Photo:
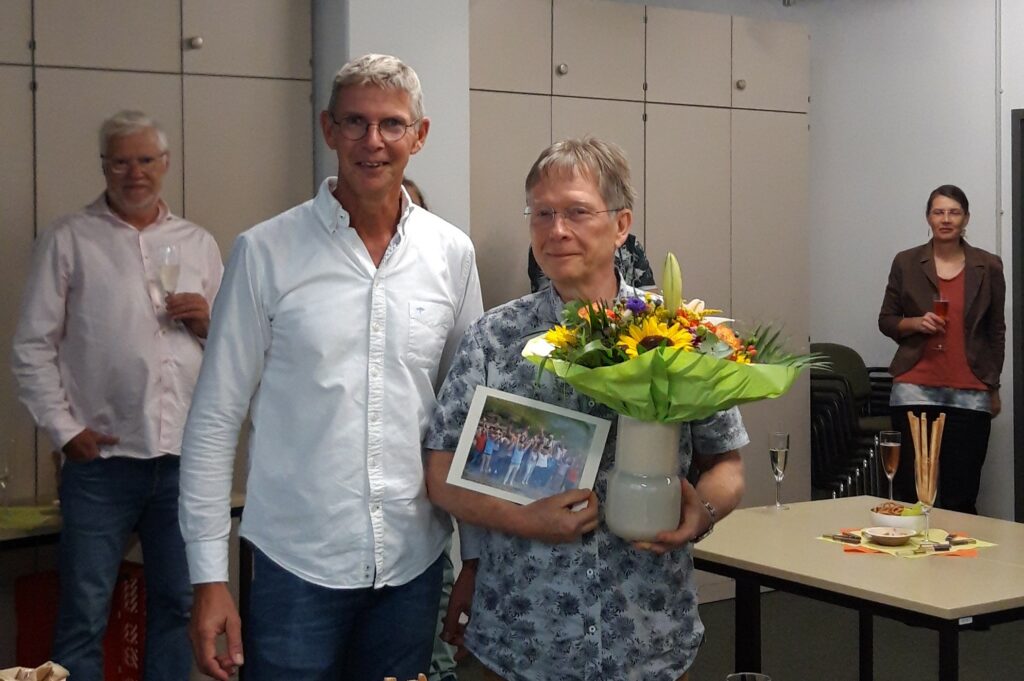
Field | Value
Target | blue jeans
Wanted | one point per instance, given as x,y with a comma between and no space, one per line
299,630
102,502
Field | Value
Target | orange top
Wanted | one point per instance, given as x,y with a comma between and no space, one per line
946,368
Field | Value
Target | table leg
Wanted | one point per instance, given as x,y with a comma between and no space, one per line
949,652
748,626
867,646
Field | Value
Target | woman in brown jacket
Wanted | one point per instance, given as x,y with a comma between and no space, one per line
947,363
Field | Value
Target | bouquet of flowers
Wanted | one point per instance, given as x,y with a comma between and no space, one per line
664,359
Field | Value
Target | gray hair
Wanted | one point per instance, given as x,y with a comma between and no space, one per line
383,71
604,162
127,122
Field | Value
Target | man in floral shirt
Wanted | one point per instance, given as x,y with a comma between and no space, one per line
557,596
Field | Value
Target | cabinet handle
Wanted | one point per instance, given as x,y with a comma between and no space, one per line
741,84
562,69
194,43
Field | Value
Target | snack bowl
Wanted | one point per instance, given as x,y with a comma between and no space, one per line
909,522
888,536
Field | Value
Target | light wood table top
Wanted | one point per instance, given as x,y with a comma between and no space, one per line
784,545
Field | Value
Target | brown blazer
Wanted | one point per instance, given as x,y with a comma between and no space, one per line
912,285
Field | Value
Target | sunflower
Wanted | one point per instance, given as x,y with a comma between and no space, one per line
650,333
561,337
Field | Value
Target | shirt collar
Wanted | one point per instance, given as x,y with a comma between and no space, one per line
333,215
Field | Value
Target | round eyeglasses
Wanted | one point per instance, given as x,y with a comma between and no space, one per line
356,128
577,215
119,166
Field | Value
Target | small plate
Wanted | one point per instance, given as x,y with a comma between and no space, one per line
888,536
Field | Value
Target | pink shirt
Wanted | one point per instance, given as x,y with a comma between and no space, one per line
94,346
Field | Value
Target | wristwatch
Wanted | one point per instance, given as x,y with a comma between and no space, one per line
711,528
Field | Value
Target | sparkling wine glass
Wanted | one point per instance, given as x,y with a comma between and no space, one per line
889,448
940,306
778,452
169,262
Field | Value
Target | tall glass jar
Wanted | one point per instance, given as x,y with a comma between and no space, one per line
644,493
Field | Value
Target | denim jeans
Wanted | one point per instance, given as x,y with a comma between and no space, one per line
299,630
102,502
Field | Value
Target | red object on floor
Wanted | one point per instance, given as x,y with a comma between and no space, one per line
35,607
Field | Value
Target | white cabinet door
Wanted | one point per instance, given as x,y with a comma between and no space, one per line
618,122
267,38
688,57
16,432
70,106
15,31
688,212
770,272
600,47
771,65
244,167
507,134
141,35
510,45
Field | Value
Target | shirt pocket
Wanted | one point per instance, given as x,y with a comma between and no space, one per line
429,324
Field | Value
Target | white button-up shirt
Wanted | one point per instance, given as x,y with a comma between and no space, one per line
94,347
340,360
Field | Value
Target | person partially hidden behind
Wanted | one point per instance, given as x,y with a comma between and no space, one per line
946,363
557,596
106,361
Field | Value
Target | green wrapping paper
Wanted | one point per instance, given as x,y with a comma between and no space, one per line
667,384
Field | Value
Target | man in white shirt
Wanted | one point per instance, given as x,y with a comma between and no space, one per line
106,359
335,324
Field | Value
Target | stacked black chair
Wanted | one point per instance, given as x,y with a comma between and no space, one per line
846,417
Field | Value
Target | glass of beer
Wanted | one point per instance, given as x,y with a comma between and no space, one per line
940,306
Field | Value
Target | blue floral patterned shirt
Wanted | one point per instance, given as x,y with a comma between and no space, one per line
595,608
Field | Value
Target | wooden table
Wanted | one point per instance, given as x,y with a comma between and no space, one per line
779,549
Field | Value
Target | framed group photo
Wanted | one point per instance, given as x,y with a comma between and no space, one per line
522,450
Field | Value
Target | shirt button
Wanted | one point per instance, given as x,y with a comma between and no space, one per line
590,573
592,629
376,326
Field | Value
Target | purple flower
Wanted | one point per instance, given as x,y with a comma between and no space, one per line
636,305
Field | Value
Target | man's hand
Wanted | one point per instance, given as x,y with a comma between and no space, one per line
86,445
552,520
695,520
213,614
192,310
460,603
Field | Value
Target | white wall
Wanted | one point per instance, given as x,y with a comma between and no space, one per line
433,38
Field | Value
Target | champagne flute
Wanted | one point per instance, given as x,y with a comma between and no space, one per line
169,262
778,452
889,446
940,306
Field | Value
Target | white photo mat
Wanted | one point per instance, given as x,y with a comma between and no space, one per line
579,437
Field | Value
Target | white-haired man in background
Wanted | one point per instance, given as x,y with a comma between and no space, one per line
106,359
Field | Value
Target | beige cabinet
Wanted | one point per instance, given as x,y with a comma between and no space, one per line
598,49
142,35
240,144
688,197
244,168
499,162
771,65
265,38
15,31
688,57
16,432
510,48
